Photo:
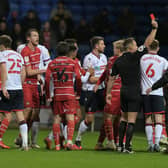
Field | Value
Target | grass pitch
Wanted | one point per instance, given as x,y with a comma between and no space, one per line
87,158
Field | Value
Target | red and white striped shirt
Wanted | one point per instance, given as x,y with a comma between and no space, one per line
62,69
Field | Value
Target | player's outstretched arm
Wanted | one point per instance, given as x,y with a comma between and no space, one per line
152,34
32,72
109,87
23,74
3,72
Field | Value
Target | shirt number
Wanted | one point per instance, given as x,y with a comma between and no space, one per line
15,66
149,71
61,76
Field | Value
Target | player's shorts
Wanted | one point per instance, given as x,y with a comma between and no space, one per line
115,106
31,96
130,101
64,107
14,104
94,102
153,104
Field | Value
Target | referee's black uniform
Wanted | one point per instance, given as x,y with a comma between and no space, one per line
128,67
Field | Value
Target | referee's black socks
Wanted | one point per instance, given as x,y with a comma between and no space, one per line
129,135
122,130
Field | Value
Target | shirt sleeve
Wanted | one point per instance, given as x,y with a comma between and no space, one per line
114,70
141,51
45,56
87,62
161,82
47,81
2,58
26,58
102,77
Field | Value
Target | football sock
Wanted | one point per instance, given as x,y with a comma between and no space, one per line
122,130
24,133
3,127
56,133
149,134
129,134
102,135
35,130
158,132
70,129
108,129
82,129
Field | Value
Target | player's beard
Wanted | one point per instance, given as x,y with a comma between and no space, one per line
101,51
35,44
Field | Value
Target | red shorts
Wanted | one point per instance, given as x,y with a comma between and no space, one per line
115,106
31,96
64,107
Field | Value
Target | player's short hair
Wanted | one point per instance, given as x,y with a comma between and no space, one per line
28,33
72,47
70,40
62,48
119,45
6,41
95,40
127,42
154,45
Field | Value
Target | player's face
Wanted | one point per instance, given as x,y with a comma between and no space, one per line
134,46
34,38
101,46
116,50
2,48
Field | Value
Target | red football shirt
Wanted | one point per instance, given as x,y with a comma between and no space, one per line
62,69
105,75
31,58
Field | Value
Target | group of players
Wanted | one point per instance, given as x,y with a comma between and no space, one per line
116,87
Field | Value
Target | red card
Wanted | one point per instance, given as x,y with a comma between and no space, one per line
152,16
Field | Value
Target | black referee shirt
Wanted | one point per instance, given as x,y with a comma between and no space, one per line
128,67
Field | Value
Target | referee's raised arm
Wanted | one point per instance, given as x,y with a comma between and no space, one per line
152,34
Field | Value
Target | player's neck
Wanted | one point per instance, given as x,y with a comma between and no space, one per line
96,53
31,46
153,52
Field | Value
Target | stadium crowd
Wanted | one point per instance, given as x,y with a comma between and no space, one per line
120,86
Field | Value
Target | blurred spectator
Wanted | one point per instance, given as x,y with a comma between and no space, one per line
4,28
101,23
60,13
83,32
13,19
4,9
17,35
46,35
31,20
63,31
126,22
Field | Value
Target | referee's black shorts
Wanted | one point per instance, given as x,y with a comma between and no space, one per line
153,104
130,101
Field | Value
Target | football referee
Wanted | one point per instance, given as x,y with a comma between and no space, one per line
128,67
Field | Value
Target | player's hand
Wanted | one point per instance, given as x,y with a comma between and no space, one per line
96,88
154,23
148,91
5,93
91,71
42,71
108,98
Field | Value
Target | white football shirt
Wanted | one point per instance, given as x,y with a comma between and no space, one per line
152,69
98,63
14,65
